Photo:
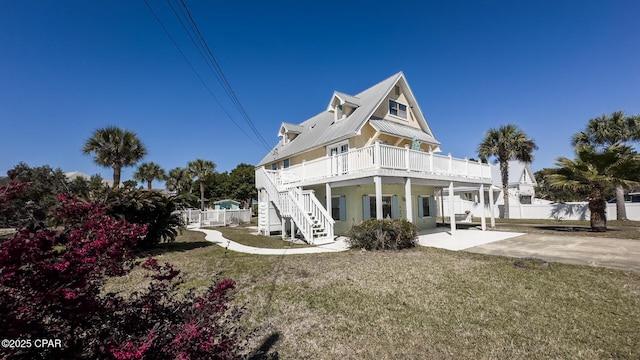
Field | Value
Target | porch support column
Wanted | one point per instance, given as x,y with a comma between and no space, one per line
442,204
452,213
293,229
408,199
377,180
483,221
265,195
284,228
491,207
328,197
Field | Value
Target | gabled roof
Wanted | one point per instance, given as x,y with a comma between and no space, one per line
227,201
516,169
291,127
407,132
322,129
347,99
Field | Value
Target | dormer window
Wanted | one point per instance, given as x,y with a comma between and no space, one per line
342,105
397,109
288,132
339,112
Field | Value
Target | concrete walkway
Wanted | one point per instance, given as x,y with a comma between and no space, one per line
215,237
462,238
613,253
439,238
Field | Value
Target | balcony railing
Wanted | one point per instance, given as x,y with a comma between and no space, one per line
380,156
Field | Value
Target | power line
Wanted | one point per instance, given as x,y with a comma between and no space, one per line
155,15
222,78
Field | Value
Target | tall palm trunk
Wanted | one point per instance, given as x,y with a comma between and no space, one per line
149,184
201,195
116,176
621,210
597,207
504,172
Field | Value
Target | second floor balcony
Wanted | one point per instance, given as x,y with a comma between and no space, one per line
379,156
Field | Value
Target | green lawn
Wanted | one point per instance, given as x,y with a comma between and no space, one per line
419,304
242,235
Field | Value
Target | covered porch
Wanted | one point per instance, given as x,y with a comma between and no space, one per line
387,194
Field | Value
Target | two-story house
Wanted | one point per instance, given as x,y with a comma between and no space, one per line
367,155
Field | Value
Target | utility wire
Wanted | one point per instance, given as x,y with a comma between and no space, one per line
223,79
155,15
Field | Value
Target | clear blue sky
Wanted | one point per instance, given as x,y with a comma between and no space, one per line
69,67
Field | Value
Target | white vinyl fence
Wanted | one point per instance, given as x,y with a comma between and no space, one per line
224,217
558,211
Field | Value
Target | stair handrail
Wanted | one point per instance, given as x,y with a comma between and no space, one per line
326,219
300,215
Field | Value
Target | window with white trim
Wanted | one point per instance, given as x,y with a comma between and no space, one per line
397,109
274,166
285,163
426,206
389,207
339,208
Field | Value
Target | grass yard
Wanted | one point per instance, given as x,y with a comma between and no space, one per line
242,235
419,304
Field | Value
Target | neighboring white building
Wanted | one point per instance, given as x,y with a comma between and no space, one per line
521,183
72,175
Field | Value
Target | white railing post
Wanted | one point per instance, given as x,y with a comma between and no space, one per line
407,157
431,161
376,154
466,166
450,164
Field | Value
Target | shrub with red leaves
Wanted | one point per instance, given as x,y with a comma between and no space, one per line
50,288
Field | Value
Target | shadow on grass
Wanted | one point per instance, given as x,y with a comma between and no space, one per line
179,246
262,353
564,228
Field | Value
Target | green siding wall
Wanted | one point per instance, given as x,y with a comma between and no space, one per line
354,196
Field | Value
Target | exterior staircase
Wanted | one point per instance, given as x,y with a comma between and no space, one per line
300,206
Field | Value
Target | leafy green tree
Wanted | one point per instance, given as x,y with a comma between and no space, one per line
218,186
243,180
506,143
605,131
148,172
596,171
201,169
31,207
113,147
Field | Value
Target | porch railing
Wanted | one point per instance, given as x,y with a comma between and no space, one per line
380,156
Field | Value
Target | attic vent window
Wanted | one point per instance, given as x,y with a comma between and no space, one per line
397,109
397,88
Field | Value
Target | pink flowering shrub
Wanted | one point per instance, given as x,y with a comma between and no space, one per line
50,288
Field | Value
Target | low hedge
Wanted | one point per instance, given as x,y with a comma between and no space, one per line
385,234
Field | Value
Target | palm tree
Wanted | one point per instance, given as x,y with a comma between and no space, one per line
506,143
179,180
605,131
149,172
597,171
115,148
201,169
